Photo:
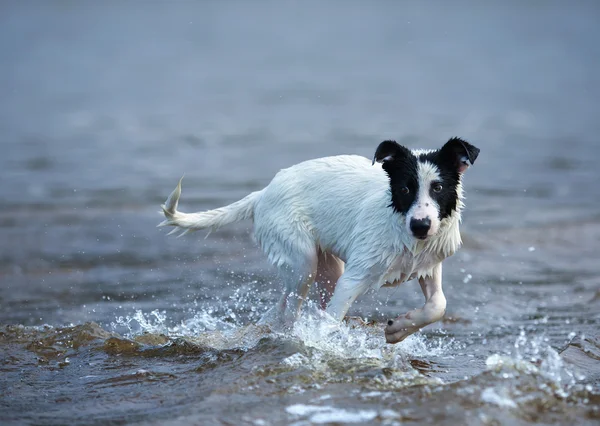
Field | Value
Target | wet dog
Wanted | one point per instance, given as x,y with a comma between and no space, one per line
351,224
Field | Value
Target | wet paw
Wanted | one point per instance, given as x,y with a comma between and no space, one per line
400,328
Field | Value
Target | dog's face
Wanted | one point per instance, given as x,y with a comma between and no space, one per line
425,185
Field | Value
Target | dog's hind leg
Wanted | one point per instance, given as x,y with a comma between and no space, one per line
286,237
296,280
329,270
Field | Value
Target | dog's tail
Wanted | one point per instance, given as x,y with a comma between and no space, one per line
210,219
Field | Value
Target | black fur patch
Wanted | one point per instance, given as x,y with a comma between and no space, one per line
447,198
448,160
401,166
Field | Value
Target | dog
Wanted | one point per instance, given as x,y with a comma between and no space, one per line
351,224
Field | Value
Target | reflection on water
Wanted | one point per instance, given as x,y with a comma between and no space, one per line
104,106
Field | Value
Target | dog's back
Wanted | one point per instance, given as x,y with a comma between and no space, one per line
318,204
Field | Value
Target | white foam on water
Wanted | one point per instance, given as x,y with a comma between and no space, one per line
303,409
326,414
343,416
491,396
296,360
372,394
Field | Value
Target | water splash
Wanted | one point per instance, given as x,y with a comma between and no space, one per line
530,357
317,329
534,355
355,339
139,322
157,322
314,329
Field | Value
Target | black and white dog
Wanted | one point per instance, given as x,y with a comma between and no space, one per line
351,224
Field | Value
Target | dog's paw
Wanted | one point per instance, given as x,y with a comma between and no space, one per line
400,328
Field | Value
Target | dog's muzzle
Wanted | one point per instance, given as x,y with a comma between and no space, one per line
420,227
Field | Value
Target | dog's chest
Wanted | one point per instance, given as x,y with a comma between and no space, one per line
407,266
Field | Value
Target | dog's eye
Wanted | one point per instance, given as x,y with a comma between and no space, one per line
405,190
437,187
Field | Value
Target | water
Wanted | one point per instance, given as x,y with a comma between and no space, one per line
104,106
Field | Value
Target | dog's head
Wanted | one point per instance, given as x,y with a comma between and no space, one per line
426,185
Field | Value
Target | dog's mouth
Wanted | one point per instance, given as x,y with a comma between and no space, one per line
421,237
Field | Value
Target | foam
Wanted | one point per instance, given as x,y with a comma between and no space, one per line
327,414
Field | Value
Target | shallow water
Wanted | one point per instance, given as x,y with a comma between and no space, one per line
105,320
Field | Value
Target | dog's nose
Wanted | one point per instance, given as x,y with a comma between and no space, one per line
420,227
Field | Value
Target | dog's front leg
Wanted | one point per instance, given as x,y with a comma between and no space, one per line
433,310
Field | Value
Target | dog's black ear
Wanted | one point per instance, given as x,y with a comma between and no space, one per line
388,151
460,152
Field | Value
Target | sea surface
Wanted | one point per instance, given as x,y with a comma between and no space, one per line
105,105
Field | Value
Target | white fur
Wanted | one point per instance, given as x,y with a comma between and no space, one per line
337,207
425,207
